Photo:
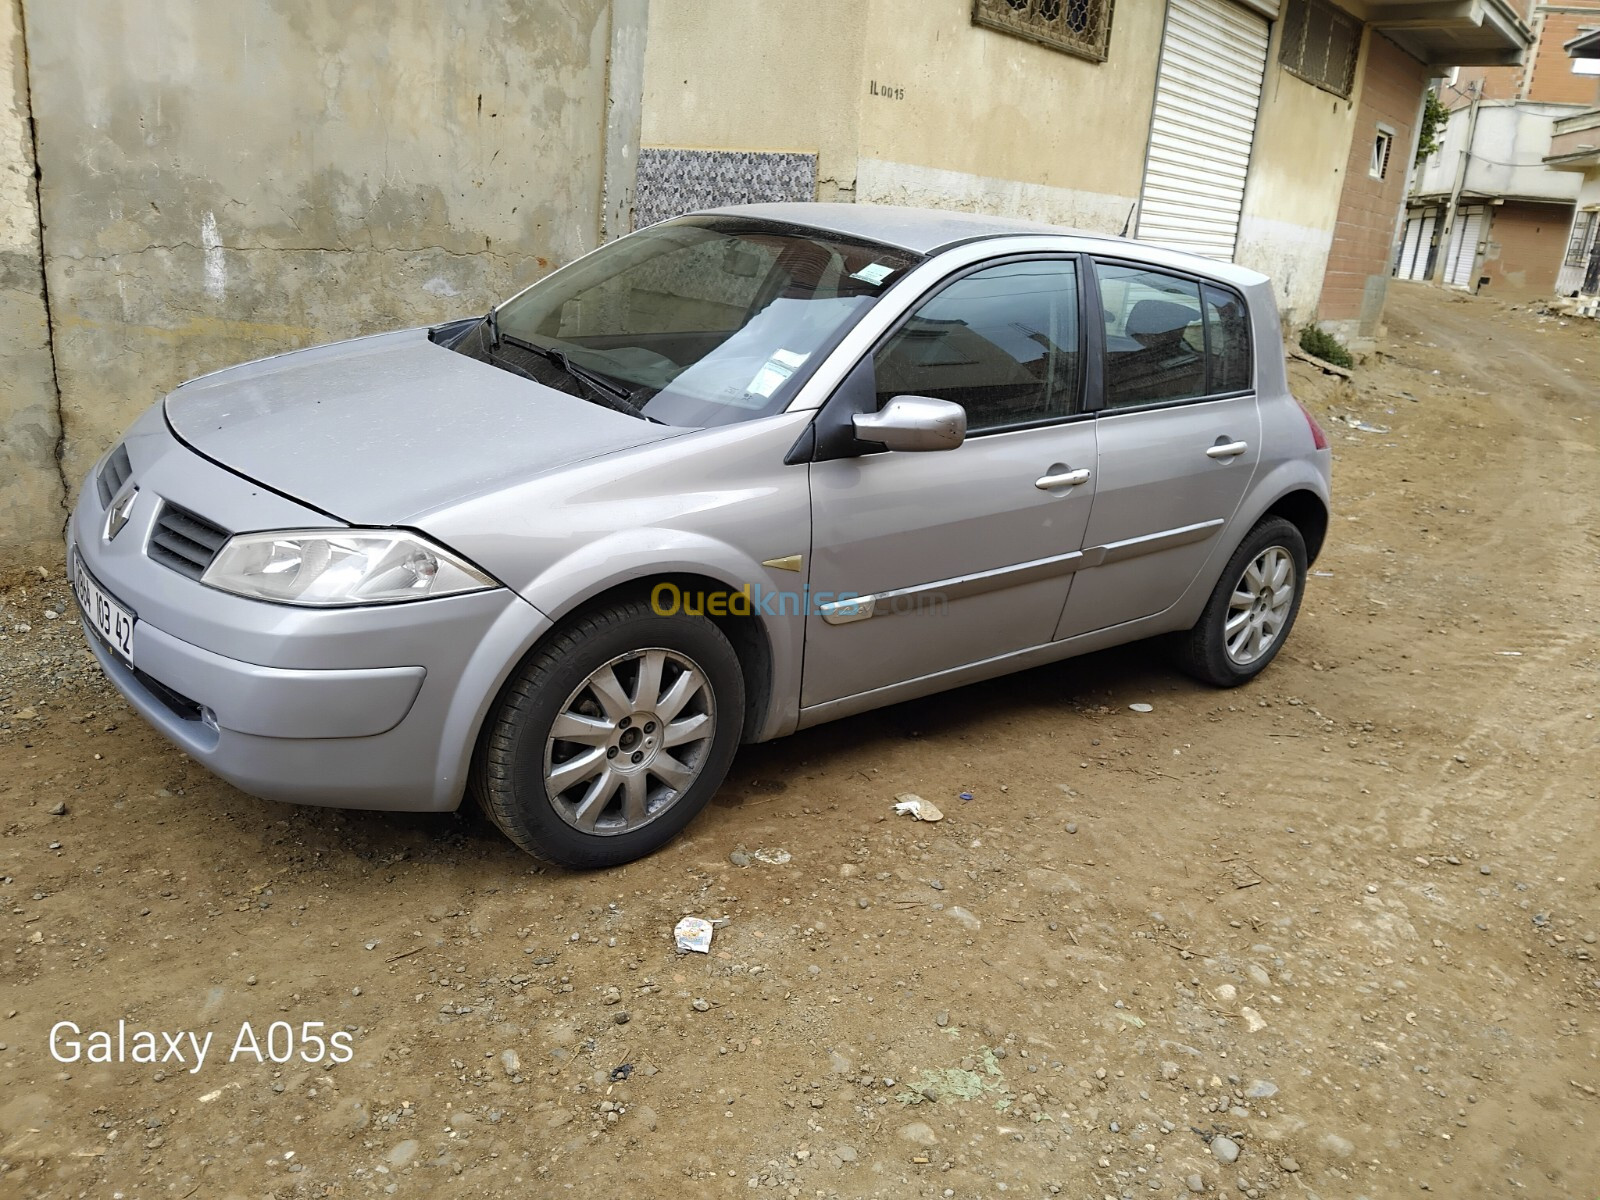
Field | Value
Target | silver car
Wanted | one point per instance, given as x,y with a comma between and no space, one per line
731,476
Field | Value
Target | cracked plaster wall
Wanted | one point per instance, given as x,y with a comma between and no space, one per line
30,486
216,190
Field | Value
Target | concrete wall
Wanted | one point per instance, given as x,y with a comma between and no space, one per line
1359,264
889,95
1576,134
221,185
1296,171
772,75
31,511
979,119
1508,149
1525,246
909,102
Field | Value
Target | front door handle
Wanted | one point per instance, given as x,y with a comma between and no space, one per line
1048,483
1227,449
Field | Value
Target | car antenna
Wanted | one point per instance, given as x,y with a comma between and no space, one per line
1134,208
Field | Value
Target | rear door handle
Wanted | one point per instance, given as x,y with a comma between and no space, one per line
1227,449
1047,483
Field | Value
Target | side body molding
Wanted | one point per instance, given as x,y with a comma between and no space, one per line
861,608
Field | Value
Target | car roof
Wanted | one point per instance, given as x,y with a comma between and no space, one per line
928,231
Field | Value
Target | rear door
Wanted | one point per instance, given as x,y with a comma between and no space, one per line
1179,438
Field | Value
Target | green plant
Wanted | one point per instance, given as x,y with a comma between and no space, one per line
1434,116
1325,346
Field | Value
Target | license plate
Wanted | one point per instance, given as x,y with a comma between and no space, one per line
110,620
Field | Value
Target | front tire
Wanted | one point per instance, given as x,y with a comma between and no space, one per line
1251,611
610,738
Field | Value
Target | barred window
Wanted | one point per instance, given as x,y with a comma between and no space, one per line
1081,27
1320,45
1584,228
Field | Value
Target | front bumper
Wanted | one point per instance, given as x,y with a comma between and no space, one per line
375,707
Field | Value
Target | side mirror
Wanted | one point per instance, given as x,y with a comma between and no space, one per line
914,423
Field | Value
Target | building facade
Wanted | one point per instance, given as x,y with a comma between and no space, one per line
1487,211
180,193
1548,73
1575,150
1243,129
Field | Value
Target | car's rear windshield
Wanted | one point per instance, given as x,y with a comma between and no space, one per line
695,322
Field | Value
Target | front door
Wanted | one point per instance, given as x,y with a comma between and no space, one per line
1179,440
961,555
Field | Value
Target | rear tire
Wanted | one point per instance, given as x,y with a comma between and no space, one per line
1251,611
610,738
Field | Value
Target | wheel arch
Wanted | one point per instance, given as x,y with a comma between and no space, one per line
751,640
1307,512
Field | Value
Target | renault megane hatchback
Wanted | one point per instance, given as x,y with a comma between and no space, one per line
728,477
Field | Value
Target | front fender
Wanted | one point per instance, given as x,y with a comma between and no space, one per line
643,555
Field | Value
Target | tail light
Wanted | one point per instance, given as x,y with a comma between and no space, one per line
1318,439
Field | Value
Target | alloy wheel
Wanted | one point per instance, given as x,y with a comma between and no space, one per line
1260,604
629,741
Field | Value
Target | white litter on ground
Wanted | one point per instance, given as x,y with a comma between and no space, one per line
692,933
922,810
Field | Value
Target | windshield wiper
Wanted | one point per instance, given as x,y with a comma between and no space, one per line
611,394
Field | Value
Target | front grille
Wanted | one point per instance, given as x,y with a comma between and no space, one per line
185,542
113,475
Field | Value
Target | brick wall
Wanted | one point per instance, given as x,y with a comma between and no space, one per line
1526,242
1547,75
1369,208
1550,76
1498,83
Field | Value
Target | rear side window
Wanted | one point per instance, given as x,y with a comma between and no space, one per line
1002,342
1155,336
1168,338
1229,364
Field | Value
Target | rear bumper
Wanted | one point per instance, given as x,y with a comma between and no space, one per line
375,707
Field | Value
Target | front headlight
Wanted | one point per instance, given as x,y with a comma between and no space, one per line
325,567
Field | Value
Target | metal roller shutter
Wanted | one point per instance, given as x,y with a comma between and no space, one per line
1418,241
1407,264
1208,91
1464,247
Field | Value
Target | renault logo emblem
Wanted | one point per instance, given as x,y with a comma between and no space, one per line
121,508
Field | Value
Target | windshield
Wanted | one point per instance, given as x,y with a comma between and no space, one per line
696,322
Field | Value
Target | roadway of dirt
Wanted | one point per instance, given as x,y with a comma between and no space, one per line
1343,919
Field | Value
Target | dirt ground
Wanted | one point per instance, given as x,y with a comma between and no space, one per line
1341,922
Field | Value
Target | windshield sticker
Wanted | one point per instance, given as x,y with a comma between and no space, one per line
779,367
875,274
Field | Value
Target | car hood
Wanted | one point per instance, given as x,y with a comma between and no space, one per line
381,430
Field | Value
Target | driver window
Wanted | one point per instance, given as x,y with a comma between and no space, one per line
1002,343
